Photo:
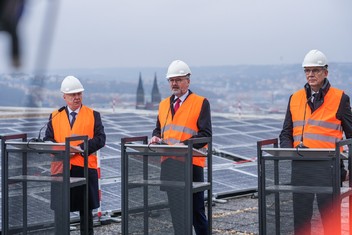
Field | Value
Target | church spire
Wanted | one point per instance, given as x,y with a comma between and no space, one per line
156,97
140,103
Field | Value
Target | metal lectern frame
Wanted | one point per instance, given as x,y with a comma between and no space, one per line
8,145
129,147
276,154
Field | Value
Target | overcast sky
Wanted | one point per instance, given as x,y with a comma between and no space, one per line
149,33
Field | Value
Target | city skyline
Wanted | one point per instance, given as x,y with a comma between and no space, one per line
229,88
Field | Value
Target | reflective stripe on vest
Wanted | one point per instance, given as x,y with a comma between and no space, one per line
322,128
184,129
84,125
184,123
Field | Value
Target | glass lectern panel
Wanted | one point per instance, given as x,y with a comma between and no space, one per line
295,182
31,183
159,181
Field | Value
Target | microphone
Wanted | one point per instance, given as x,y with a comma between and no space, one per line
39,139
162,132
301,145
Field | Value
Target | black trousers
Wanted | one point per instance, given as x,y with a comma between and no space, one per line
174,170
312,173
58,222
177,209
76,199
90,222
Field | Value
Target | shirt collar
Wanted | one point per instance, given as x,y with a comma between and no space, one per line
313,92
70,110
183,97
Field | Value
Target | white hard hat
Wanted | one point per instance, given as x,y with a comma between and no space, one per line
70,85
315,58
178,68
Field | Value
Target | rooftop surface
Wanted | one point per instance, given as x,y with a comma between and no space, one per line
235,215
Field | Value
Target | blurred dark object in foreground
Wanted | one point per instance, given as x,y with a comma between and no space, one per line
10,14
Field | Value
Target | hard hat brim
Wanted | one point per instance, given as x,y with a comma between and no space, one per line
176,75
73,91
313,65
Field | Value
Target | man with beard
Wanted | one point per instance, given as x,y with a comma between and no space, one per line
190,118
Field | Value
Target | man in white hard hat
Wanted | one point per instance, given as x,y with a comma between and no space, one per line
182,116
76,119
319,125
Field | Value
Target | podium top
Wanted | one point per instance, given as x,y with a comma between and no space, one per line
156,148
299,152
42,146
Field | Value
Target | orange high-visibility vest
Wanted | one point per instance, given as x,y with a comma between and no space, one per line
184,124
84,125
321,129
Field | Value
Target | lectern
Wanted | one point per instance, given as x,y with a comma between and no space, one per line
277,184
145,202
27,184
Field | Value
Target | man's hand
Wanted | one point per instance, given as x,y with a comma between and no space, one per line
155,140
179,144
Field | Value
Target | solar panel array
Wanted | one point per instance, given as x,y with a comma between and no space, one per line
232,138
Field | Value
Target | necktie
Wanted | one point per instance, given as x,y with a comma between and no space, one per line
73,114
177,105
314,97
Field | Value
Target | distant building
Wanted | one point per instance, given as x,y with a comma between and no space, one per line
155,96
140,103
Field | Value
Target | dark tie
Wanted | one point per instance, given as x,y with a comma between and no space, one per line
177,105
73,114
314,96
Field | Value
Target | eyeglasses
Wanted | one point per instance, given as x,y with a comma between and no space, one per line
177,80
314,71
74,94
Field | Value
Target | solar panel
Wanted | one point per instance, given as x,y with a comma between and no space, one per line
236,137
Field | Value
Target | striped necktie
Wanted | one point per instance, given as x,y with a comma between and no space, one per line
177,105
